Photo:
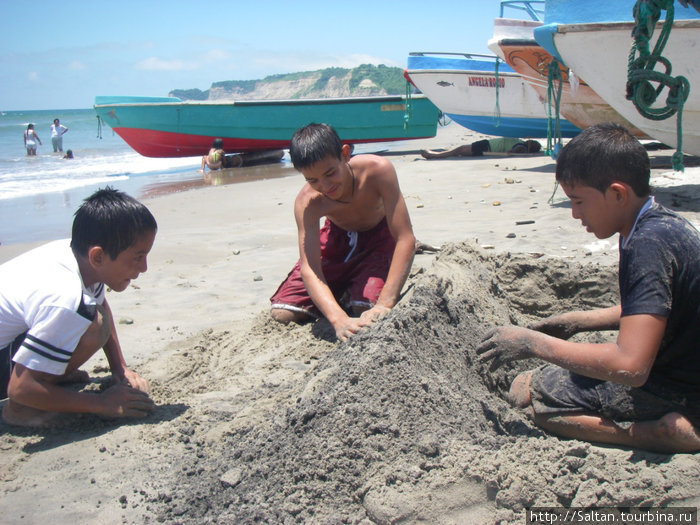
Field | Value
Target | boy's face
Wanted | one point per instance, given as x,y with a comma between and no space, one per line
118,273
331,177
598,212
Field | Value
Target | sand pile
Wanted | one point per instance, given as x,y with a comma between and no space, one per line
403,423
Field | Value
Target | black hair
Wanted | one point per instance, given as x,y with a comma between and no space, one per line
603,154
112,220
314,143
218,144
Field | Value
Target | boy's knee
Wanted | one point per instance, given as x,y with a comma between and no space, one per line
519,393
288,316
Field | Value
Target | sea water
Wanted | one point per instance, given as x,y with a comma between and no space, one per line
39,194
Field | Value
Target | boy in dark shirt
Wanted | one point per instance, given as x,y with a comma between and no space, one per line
642,390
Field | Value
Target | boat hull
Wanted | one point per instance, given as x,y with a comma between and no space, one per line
514,42
464,88
582,47
172,128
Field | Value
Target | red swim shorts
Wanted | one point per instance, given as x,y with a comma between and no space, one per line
355,266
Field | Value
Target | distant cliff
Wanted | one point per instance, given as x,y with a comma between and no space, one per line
364,80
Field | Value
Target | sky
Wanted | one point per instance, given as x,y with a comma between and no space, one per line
61,54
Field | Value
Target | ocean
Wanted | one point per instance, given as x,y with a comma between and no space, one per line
38,195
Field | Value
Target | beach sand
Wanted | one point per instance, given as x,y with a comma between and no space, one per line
258,422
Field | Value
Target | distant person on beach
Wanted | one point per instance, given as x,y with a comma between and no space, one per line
643,390
57,132
505,145
357,263
214,160
30,139
69,154
54,314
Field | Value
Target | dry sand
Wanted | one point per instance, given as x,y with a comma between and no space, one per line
264,423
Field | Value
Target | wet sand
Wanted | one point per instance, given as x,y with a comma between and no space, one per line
260,422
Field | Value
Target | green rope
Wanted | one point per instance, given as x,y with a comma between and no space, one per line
408,111
554,137
497,109
553,103
641,71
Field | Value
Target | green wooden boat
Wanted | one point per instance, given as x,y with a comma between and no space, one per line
169,127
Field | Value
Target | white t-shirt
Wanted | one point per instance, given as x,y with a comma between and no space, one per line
42,293
57,131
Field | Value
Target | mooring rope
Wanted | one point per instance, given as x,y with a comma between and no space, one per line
641,73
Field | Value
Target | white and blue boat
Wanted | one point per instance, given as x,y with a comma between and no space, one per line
594,39
484,94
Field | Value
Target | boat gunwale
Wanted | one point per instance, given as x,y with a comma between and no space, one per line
464,71
627,25
271,102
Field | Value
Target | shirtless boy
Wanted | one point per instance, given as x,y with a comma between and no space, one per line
357,263
54,314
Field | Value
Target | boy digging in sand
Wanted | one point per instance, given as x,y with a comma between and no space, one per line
643,390
54,315
362,255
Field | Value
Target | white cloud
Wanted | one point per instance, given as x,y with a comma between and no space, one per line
32,76
158,64
76,65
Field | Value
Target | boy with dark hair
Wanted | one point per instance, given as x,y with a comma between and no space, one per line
362,255
54,314
643,390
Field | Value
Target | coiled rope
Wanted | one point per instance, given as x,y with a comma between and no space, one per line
641,73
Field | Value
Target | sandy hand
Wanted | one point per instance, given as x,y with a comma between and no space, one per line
375,313
505,344
125,401
134,380
556,326
349,327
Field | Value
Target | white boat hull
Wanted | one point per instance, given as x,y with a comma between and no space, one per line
598,53
469,96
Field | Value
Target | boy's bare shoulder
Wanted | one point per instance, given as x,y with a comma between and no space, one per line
372,167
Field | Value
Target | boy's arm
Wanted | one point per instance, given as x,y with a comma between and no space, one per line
400,226
312,273
627,361
39,390
568,324
113,352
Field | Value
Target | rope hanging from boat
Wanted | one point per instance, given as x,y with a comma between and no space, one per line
99,127
408,106
497,109
641,73
554,137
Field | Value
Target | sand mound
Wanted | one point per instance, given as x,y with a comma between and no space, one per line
401,424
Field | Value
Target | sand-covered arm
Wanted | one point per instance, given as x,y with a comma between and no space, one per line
627,360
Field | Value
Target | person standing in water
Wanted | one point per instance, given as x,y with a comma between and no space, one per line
30,140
